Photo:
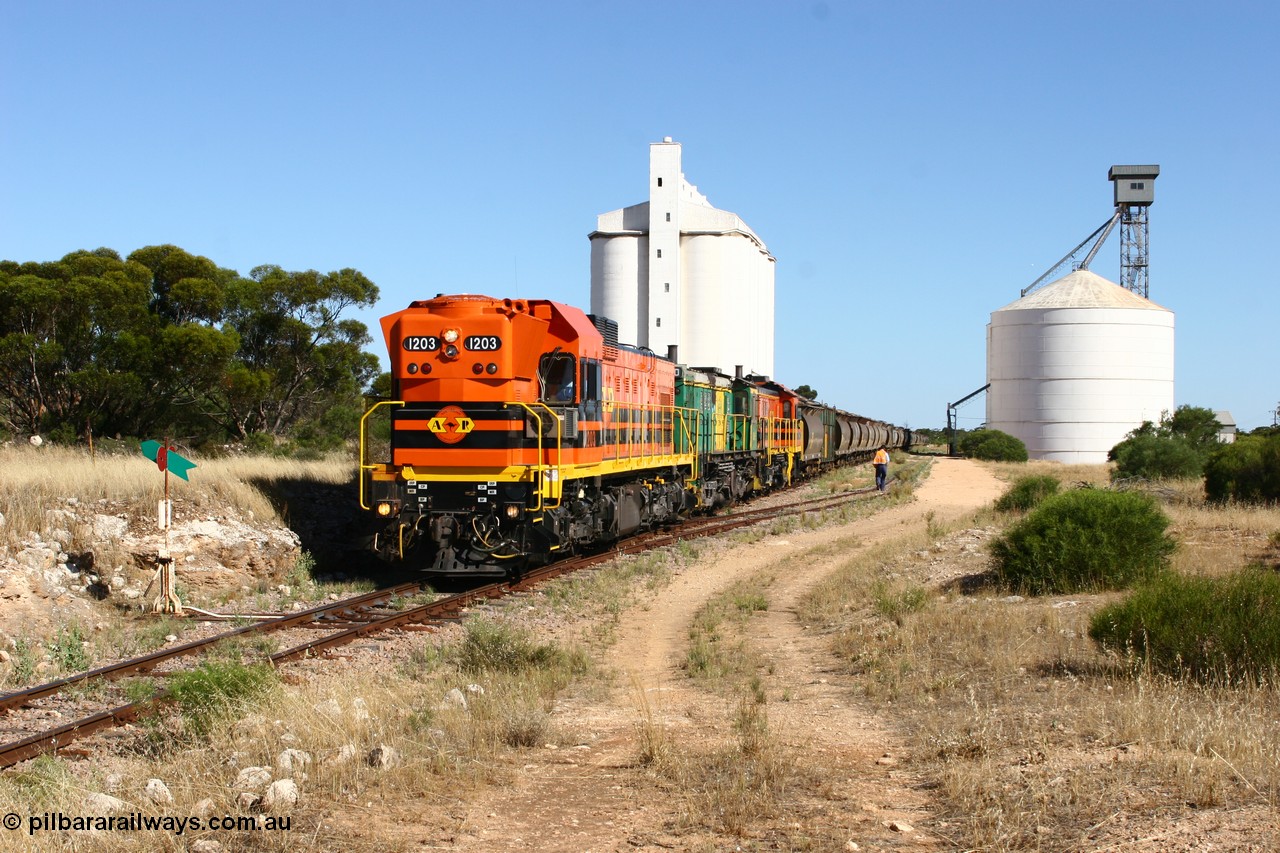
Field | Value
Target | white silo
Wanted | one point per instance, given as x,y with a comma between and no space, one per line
616,265
675,271
1076,365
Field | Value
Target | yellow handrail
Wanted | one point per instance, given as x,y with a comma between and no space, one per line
541,467
557,485
363,466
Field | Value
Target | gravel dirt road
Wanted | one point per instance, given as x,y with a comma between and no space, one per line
592,794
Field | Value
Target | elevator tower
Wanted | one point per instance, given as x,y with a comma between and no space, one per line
1134,193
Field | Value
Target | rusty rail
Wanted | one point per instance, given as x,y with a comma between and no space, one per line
435,612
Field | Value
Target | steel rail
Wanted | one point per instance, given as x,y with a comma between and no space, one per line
148,662
440,611
56,738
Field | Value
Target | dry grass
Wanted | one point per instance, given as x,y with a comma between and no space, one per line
1068,475
1032,735
37,480
731,787
734,788
440,753
1219,539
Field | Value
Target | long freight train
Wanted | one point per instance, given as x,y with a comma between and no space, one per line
522,430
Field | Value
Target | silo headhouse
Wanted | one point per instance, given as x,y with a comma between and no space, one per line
675,271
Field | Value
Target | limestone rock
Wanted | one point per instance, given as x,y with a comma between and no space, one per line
281,795
101,804
346,753
329,708
253,779
292,760
453,700
108,527
382,757
158,792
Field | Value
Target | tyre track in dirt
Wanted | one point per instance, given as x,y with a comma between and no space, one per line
591,795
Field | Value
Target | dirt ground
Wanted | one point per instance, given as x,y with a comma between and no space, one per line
590,795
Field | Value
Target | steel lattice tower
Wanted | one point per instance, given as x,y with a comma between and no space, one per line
1133,249
1134,194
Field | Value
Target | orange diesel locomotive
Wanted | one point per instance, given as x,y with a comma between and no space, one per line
521,429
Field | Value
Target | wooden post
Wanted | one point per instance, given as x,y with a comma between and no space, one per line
167,600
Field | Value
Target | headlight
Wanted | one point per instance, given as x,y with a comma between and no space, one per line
513,510
450,336
384,508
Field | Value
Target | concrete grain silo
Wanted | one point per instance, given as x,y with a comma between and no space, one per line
675,271
1076,365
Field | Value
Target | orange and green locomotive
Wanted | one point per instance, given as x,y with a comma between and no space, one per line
521,430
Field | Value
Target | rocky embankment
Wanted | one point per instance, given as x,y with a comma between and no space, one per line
89,560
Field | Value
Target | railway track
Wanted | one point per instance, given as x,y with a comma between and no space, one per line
349,620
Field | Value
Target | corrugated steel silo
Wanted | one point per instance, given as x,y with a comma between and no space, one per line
1076,365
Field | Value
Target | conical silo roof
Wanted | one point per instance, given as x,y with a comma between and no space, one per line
1082,289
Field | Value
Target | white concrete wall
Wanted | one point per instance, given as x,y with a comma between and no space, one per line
701,336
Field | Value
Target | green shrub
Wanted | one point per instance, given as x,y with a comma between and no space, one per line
992,445
261,444
207,693
1246,470
25,658
1027,492
1176,447
67,650
1218,630
496,647
1156,457
1084,540
895,602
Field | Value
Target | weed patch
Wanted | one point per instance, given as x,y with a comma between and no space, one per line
215,689
1217,630
25,658
896,601
1027,492
734,788
496,647
717,649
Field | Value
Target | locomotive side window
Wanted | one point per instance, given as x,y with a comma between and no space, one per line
590,380
557,371
590,385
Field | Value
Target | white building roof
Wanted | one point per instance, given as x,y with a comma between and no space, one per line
1082,289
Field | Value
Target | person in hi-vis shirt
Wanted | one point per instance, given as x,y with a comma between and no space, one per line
881,461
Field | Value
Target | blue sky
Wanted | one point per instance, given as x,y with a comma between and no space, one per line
911,165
